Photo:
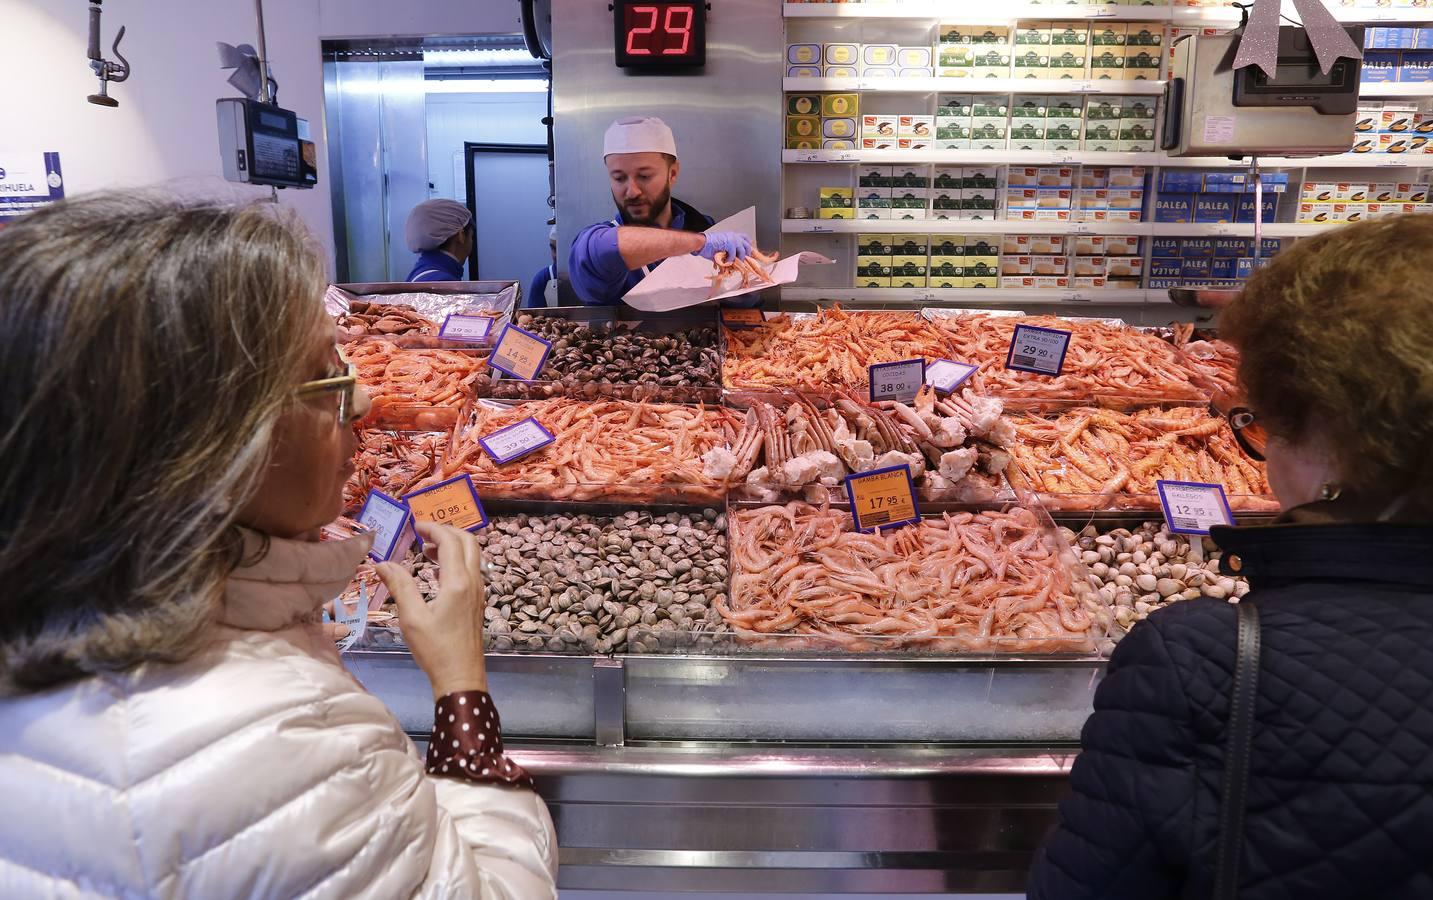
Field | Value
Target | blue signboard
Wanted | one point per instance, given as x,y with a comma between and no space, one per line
28,181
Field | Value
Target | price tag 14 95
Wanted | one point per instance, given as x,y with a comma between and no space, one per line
519,353
1192,507
899,381
390,521
453,502
1038,350
516,440
882,498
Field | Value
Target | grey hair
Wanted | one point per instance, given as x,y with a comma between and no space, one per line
148,346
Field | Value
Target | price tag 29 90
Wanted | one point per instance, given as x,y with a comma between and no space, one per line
390,520
1038,350
946,375
453,502
1192,507
516,440
472,329
882,498
519,353
899,381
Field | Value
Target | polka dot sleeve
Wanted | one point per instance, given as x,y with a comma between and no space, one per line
467,742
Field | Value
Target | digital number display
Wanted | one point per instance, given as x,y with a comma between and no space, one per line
658,34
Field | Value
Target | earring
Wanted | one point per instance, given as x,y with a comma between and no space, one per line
1329,491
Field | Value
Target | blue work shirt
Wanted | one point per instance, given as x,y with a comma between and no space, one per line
595,265
537,293
435,265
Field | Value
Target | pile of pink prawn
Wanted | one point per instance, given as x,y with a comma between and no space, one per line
988,581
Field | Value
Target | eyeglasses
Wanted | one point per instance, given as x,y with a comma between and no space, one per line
344,385
1248,433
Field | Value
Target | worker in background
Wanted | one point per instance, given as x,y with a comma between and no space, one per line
543,291
441,233
609,258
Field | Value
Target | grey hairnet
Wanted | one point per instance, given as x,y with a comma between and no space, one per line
432,222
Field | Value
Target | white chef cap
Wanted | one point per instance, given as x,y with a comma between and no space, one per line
639,134
432,222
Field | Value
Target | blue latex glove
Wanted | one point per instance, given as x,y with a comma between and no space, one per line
734,244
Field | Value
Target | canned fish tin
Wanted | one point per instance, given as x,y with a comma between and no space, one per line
840,105
803,54
803,104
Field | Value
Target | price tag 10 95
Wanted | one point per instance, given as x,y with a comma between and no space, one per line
899,381
519,353
472,329
1038,350
453,502
882,498
390,520
516,440
1192,507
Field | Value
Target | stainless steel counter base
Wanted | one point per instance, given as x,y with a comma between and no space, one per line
823,802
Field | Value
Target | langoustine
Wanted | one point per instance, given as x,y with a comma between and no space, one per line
421,390
989,581
392,462
751,271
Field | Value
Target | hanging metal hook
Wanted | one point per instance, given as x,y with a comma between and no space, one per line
104,69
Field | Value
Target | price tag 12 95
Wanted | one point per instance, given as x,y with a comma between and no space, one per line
946,375
472,329
1192,507
899,381
516,440
882,498
453,502
390,520
1038,350
519,353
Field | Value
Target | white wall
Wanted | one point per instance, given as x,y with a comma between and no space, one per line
480,118
406,18
164,129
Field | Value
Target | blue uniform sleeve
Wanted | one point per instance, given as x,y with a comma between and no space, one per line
595,265
1124,830
535,292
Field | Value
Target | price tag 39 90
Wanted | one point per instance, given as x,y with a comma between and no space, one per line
516,440
882,498
1192,507
899,381
453,502
519,353
1038,350
390,521
472,329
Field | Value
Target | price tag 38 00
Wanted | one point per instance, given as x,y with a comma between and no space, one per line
516,440
899,381
453,502
882,498
1038,350
519,353
390,521
1191,507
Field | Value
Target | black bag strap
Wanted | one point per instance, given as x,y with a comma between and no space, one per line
1234,785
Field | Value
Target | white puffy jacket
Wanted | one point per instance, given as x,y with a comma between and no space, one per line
258,769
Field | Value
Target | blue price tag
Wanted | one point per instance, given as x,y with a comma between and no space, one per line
472,329
946,375
390,520
1038,350
899,381
516,441
1192,507
519,353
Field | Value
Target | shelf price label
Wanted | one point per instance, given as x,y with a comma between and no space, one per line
1038,350
748,317
453,502
899,381
516,440
471,329
519,353
355,618
882,498
389,520
947,375
1191,507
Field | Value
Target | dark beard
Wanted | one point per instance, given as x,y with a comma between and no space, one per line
653,211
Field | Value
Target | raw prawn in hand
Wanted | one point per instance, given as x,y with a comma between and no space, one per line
751,270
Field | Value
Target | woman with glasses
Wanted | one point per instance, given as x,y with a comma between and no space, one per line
177,426
1316,780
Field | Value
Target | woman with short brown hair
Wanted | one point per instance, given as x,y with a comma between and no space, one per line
176,426
1335,336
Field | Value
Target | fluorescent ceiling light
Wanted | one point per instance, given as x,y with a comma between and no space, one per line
496,57
485,86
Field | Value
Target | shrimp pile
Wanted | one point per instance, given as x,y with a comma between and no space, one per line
954,446
968,581
1089,458
1103,360
607,450
423,390
392,462
749,270
1214,364
832,349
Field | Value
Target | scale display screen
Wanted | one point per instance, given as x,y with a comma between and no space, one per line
276,152
659,35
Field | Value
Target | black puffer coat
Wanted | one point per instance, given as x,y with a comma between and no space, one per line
1341,780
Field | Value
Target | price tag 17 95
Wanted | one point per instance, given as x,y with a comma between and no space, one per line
899,381
882,498
453,502
1038,350
946,375
519,353
1191,507
516,440
472,329
390,521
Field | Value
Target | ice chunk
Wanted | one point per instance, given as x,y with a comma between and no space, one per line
914,461
986,413
805,468
948,432
828,463
717,463
856,454
957,463
761,475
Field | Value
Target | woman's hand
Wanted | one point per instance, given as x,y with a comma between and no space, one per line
446,635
